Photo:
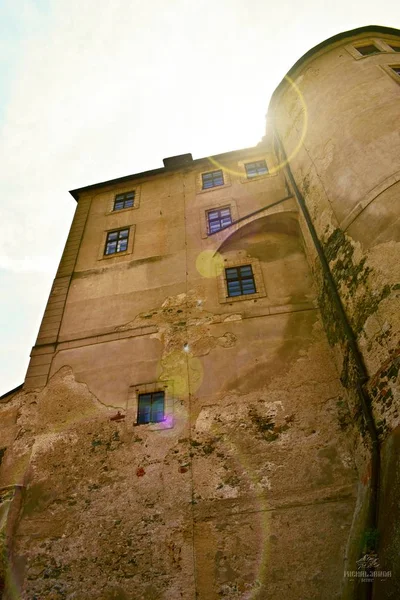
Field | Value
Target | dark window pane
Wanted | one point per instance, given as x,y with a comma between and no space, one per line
117,241
261,167
151,408
245,270
144,414
240,281
212,179
367,49
124,200
233,291
247,280
256,168
395,48
122,245
144,408
249,289
157,407
396,70
217,219
111,247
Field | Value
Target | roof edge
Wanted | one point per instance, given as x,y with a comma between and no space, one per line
167,169
13,391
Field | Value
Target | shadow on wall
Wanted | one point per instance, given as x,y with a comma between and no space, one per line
275,242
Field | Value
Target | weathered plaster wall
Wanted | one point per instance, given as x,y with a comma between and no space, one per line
251,492
337,127
256,479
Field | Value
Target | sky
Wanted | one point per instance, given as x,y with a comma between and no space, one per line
91,91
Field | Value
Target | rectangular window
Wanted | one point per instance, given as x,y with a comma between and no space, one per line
212,179
218,219
254,169
124,200
367,49
240,281
150,408
117,241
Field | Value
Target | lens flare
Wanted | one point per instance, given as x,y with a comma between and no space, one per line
272,170
175,366
210,264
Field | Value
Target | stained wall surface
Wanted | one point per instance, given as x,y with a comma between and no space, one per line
248,488
338,125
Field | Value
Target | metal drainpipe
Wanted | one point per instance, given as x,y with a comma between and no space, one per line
352,341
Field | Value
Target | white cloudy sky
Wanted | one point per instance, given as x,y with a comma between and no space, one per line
95,89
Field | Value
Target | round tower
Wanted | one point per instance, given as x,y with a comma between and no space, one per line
335,120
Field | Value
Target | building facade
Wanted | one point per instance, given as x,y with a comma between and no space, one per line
195,421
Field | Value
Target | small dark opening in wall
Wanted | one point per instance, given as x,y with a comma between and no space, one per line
2,453
367,49
151,408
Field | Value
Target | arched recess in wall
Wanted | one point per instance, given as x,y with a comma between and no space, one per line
275,243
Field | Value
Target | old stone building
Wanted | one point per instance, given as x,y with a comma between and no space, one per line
210,409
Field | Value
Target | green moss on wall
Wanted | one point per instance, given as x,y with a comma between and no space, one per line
333,326
353,281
